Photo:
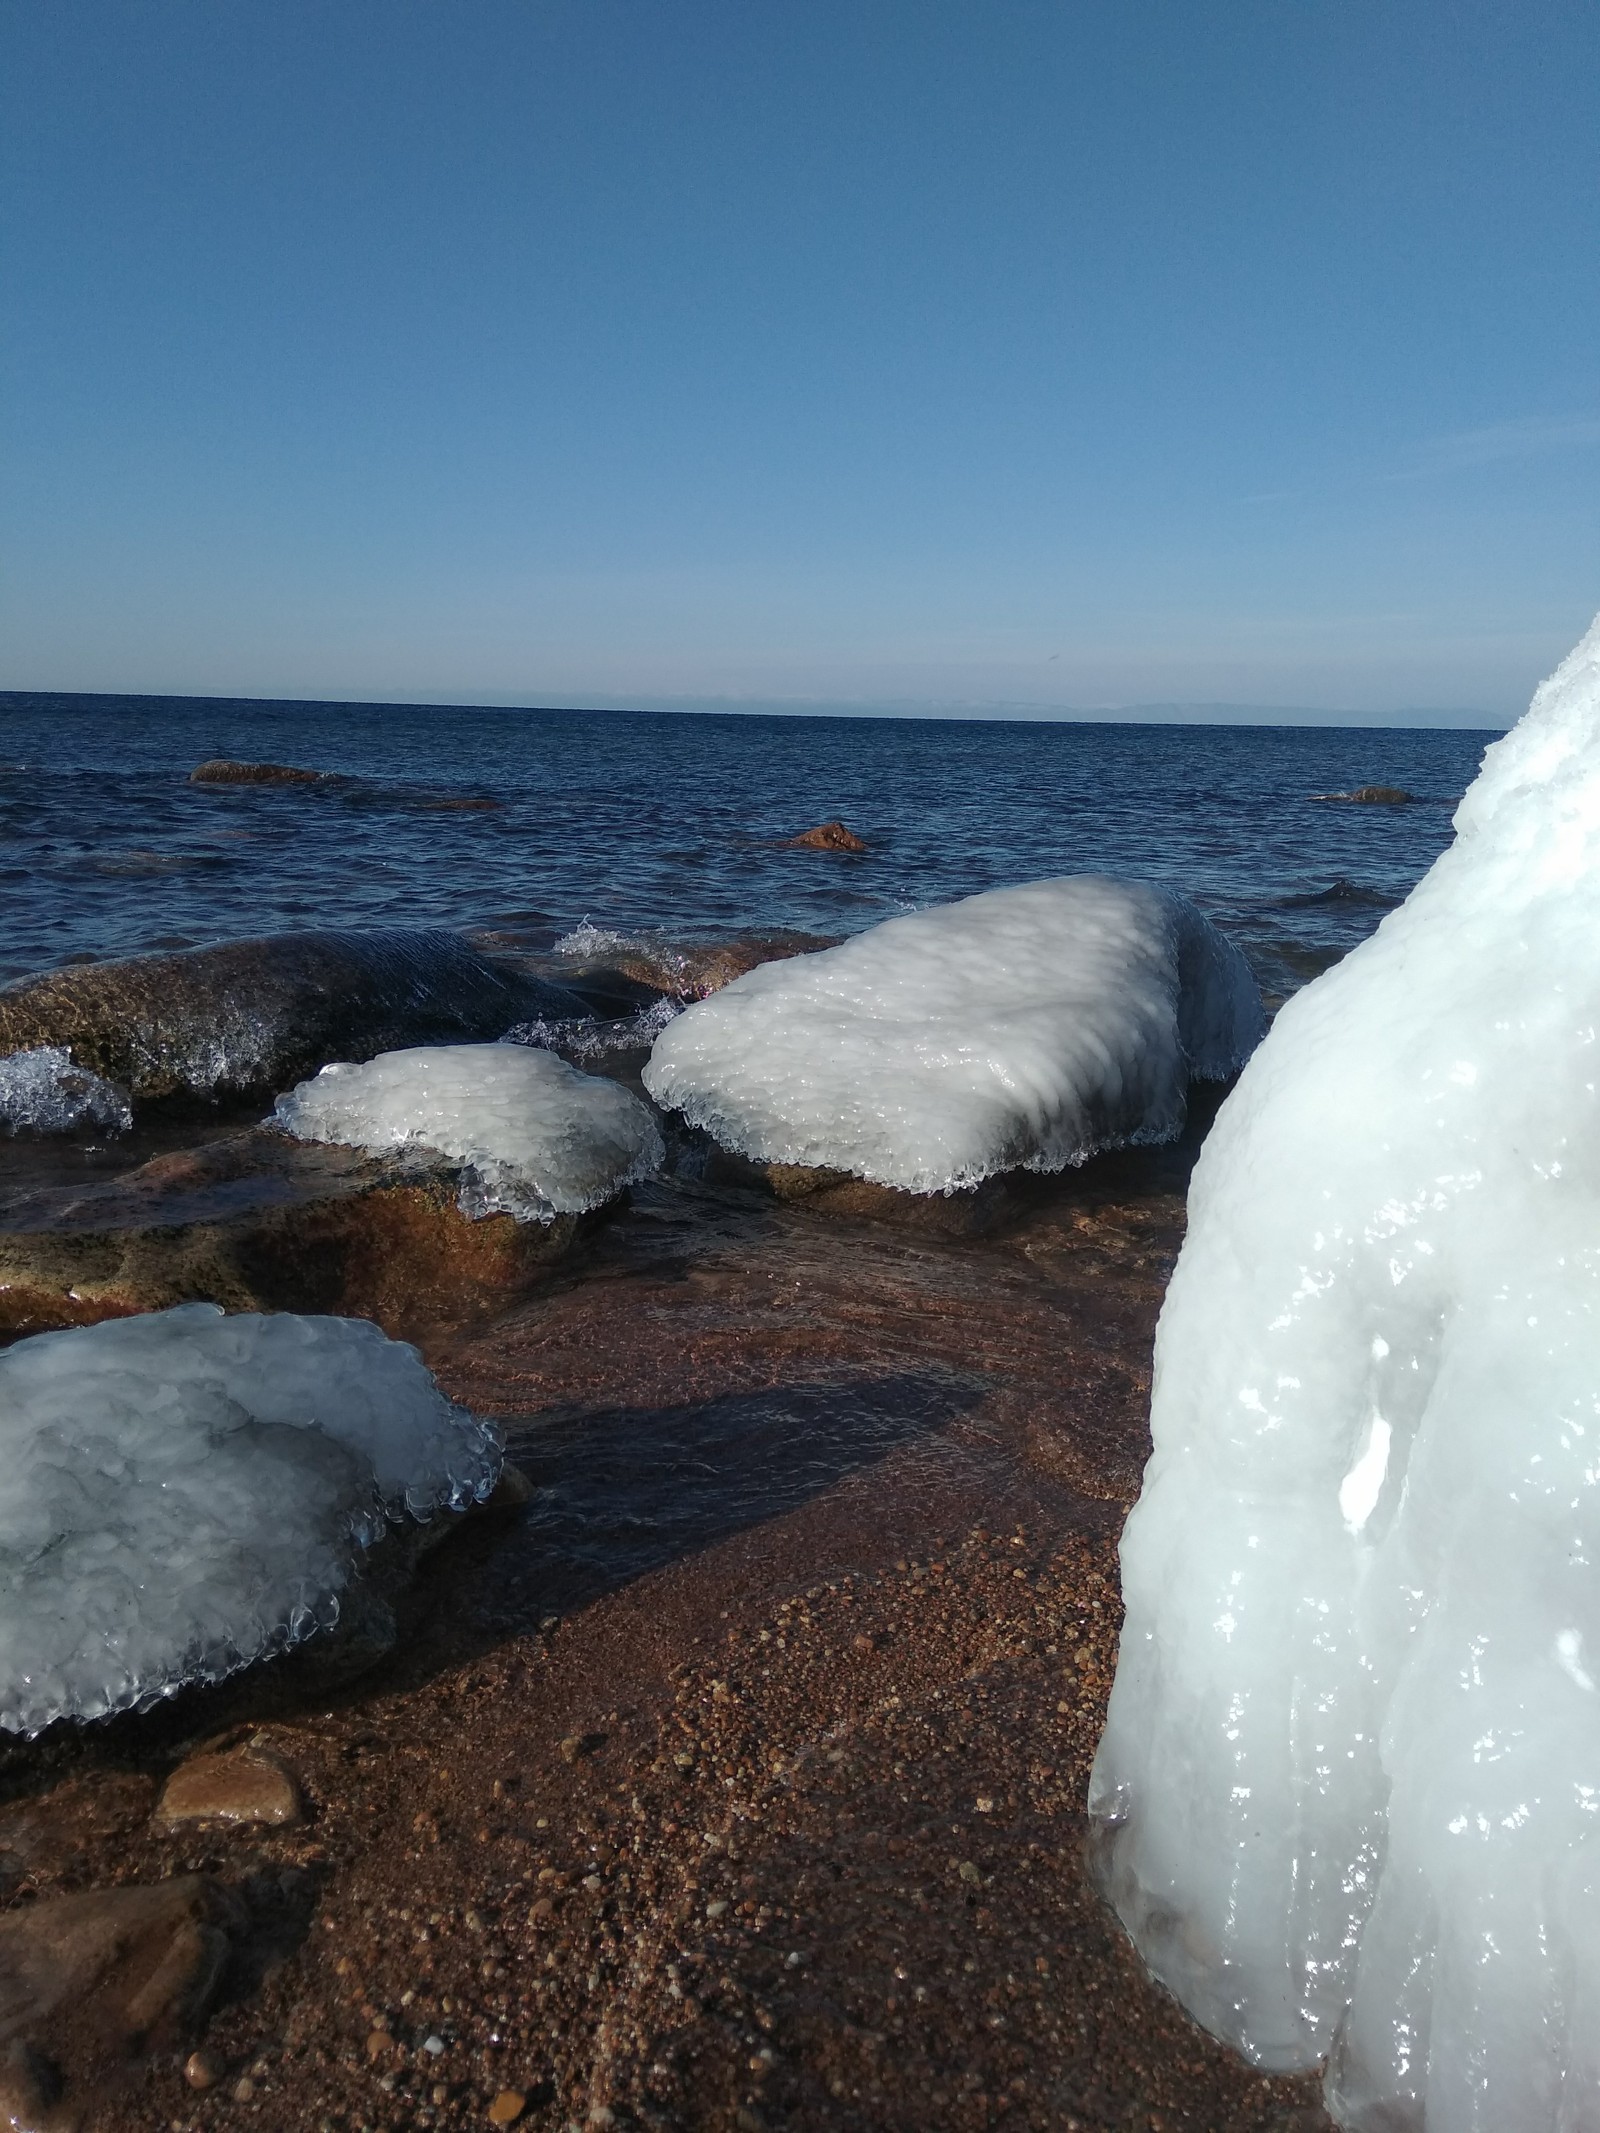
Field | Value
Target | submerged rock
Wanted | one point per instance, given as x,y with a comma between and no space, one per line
253,1015
676,969
221,771
826,837
251,1785
257,1221
1374,796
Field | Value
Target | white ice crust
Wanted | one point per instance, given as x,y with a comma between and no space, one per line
536,1138
1348,1796
41,1091
182,1493
1026,1027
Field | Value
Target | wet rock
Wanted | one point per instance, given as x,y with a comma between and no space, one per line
970,1213
259,1222
252,1016
90,1982
221,771
686,970
203,2069
826,837
1374,796
251,1786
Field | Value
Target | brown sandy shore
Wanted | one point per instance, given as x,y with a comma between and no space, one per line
736,1780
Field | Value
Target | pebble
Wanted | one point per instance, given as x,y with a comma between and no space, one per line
202,2069
507,2107
243,2089
433,2045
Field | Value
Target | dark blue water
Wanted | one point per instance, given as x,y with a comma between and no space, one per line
642,821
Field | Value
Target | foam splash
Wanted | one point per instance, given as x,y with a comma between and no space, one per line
586,1038
184,1493
41,1091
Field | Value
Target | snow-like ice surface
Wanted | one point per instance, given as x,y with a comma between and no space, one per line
535,1137
1348,1796
182,1493
1026,1027
41,1091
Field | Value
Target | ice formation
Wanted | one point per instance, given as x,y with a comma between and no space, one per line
41,1091
1348,1796
588,1038
1024,1027
535,1137
184,1492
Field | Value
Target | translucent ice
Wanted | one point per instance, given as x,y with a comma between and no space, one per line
535,1137
1348,1796
182,1493
1025,1027
41,1091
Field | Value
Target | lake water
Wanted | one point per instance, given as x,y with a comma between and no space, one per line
671,823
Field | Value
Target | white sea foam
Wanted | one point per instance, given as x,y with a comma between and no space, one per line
588,1038
183,1493
1348,1795
41,1091
1025,1027
535,1137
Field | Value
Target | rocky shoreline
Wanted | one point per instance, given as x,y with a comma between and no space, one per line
728,1769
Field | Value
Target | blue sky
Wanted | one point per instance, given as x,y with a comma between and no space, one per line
997,356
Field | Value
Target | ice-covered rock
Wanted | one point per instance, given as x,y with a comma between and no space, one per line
1026,1027
1348,1796
43,1092
182,1493
535,1137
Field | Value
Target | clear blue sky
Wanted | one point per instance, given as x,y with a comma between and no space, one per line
884,352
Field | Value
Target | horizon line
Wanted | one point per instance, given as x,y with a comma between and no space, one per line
1182,712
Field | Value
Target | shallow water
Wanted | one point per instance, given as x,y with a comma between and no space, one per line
671,823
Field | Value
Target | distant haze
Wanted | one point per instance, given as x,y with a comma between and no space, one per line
1037,361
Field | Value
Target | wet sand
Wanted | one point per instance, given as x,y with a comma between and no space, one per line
737,1779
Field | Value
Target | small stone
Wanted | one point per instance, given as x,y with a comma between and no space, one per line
379,2041
985,1804
439,2094
250,1787
507,2107
203,2069
1083,1656
572,1747
715,1910
243,2089
968,1871
433,2045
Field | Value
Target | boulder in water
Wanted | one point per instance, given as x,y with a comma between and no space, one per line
251,1016
1374,796
221,771
826,837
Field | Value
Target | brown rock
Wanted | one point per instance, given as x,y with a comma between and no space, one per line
204,2069
250,1017
507,2107
1374,796
692,970
826,837
260,1222
221,771
90,1982
249,1787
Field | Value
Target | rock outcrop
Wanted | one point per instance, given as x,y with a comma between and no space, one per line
259,1222
253,1016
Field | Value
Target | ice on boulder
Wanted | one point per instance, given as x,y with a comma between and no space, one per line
1348,1796
41,1091
182,1493
535,1137
1026,1027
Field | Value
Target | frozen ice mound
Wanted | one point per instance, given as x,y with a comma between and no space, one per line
536,1138
1026,1027
1348,1796
41,1091
183,1493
